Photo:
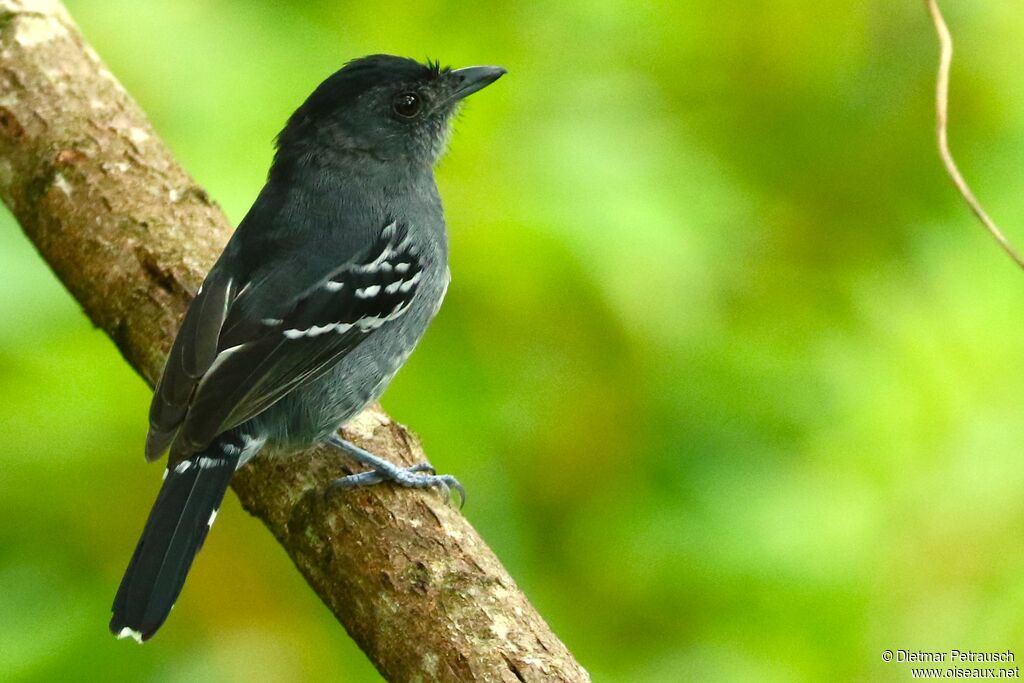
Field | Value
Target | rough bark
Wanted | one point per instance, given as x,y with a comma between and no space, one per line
131,235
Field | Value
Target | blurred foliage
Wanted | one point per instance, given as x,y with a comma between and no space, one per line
732,377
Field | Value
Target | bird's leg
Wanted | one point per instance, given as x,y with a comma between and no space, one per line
419,476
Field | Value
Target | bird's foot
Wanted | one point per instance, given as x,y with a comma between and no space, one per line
421,476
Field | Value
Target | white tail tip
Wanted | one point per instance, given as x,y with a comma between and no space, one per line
129,633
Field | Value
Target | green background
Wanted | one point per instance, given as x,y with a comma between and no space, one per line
730,373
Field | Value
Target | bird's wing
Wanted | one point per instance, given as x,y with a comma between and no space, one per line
193,352
228,364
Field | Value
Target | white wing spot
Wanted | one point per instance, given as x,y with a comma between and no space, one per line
387,234
182,467
370,322
411,282
332,286
320,329
313,331
270,322
213,516
401,267
206,463
367,292
393,287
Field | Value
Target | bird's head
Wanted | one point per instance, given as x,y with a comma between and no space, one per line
381,109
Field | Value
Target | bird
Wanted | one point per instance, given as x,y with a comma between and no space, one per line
316,301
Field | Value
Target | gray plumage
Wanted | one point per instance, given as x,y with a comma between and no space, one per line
318,299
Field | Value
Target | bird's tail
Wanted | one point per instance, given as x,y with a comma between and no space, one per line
181,517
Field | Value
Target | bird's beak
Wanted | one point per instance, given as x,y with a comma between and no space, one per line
472,78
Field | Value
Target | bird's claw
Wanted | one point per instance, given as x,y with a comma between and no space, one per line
446,483
420,476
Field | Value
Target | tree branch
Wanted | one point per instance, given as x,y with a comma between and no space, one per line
942,139
131,235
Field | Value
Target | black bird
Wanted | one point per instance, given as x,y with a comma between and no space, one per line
318,299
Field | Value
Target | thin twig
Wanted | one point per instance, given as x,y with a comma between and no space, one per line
941,118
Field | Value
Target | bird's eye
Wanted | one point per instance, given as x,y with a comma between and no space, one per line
407,105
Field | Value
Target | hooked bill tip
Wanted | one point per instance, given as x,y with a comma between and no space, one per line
473,78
